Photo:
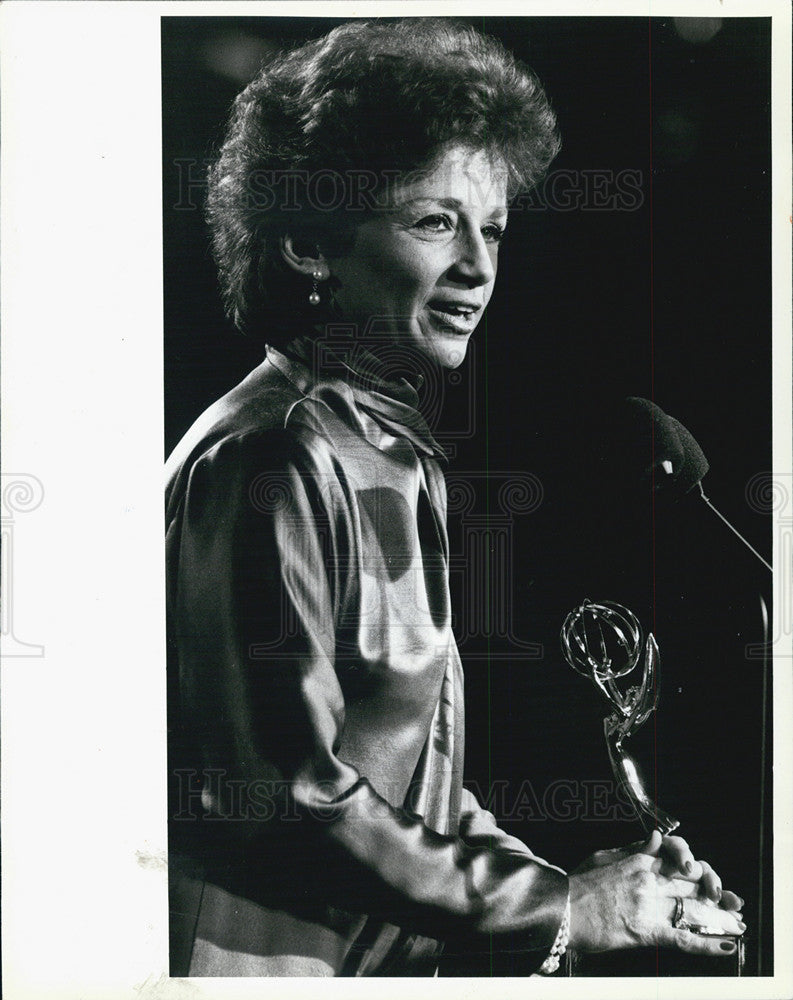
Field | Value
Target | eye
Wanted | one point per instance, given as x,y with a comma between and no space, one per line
493,233
438,223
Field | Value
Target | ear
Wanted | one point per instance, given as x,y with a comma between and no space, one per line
313,266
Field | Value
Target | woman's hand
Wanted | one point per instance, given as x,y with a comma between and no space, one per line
673,859
626,898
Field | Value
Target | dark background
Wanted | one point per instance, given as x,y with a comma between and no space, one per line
666,298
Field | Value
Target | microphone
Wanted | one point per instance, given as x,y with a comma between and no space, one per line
658,450
667,455
671,458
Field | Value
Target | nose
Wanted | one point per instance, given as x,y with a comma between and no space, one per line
475,263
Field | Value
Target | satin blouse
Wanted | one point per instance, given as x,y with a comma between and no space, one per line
318,822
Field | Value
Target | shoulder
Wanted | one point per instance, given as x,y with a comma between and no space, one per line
259,403
260,437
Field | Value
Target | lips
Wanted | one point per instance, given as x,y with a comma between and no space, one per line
455,314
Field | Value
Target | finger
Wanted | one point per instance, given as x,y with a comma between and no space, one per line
731,900
712,922
671,868
605,857
710,883
653,844
668,867
650,846
677,887
697,944
678,854
723,921
609,856
736,910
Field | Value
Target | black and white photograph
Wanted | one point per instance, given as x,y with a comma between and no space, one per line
466,651
432,464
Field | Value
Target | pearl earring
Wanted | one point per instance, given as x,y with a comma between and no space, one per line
314,296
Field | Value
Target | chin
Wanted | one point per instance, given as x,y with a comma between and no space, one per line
443,344
448,352
444,349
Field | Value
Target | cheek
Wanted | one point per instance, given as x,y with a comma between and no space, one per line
408,273
384,270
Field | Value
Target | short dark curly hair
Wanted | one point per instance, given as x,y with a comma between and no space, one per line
316,136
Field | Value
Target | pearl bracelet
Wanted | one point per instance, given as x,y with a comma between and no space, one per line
551,963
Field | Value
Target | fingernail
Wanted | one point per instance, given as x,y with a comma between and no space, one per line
688,868
741,926
741,903
727,946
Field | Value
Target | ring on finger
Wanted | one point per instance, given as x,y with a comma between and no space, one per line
679,922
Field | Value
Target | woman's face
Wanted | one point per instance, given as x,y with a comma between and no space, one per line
424,266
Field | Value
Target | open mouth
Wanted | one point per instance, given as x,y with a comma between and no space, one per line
460,317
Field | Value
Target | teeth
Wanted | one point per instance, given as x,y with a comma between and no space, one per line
455,310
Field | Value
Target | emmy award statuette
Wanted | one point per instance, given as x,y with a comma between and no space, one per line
603,642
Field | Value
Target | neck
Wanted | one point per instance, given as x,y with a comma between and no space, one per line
376,362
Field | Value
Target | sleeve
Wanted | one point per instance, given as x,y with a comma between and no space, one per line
265,558
478,826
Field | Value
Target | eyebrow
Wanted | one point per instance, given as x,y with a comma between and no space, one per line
454,203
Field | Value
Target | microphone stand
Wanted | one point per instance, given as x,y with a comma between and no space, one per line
734,531
763,733
763,748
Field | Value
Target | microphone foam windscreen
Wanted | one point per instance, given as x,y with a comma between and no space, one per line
648,447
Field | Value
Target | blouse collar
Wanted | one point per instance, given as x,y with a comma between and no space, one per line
316,370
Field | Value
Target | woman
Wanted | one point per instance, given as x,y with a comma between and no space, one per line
318,822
